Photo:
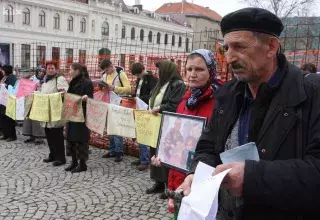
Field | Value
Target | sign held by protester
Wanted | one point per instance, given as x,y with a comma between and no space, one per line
121,121
147,127
20,108
26,87
4,95
40,108
72,108
55,106
96,116
11,107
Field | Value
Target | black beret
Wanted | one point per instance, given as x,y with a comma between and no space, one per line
252,19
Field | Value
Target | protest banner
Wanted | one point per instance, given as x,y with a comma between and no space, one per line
4,95
28,104
141,105
96,116
11,107
55,103
121,121
147,127
102,95
72,108
25,87
40,110
115,99
20,108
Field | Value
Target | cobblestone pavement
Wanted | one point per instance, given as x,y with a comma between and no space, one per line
31,189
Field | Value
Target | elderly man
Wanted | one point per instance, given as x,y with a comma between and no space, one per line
275,105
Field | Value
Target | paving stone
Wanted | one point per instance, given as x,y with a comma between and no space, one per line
31,189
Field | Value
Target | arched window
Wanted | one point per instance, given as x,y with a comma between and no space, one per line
187,45
150,37
56,21
142,35
123,32
166,39
42,19
9,14
173,40
70,23
180,42
105,29
26,16
158,38
83,25
133,33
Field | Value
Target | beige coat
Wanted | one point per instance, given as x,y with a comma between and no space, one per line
52,86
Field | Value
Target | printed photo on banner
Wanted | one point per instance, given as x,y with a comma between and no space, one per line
178,138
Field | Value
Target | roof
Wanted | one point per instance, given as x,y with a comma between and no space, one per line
189,9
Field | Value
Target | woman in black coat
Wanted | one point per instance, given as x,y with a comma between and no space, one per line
8,124
77,133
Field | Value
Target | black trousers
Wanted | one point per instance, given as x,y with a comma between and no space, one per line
55,141
8,127
158,174
79,150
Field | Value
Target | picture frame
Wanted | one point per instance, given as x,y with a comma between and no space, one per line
178,137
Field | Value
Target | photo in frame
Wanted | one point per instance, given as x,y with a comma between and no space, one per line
178,137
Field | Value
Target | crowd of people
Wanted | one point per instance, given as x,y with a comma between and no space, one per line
270,102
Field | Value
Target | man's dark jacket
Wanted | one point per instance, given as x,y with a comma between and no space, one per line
148,84
285,184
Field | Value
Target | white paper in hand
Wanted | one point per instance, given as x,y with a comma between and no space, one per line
141,105
202,202
20,108
115,99
240,154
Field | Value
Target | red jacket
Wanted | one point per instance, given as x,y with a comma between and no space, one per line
203,109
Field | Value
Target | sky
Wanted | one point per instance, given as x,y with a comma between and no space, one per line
222,9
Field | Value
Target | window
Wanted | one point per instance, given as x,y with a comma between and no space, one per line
205,46
158,38
180,42
56,21
26,16
42,19
150,36
142,35
116,30
56,56
9,14
105,29
41,55
83,25
187,45
133,33
205,31
69,54
210,32
82,56
166,39
25,56
209,47
123,32
173,40
70,23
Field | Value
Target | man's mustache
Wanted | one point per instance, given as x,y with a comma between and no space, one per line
236,66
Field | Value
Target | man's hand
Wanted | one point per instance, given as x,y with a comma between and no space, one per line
84,98
111,87
186,185
233,181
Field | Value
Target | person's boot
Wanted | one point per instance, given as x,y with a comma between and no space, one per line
48,160
11,139
156,188
29,140
82,166
58,163
119,157
142,167
73,164
109,155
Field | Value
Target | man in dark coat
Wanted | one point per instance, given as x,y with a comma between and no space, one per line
274,104
144,85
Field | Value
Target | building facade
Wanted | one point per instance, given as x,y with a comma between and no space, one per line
33,31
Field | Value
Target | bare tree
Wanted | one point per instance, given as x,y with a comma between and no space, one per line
284,8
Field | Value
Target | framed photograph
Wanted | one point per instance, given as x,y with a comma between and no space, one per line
178,137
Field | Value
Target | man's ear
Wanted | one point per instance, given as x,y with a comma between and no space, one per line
273,46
